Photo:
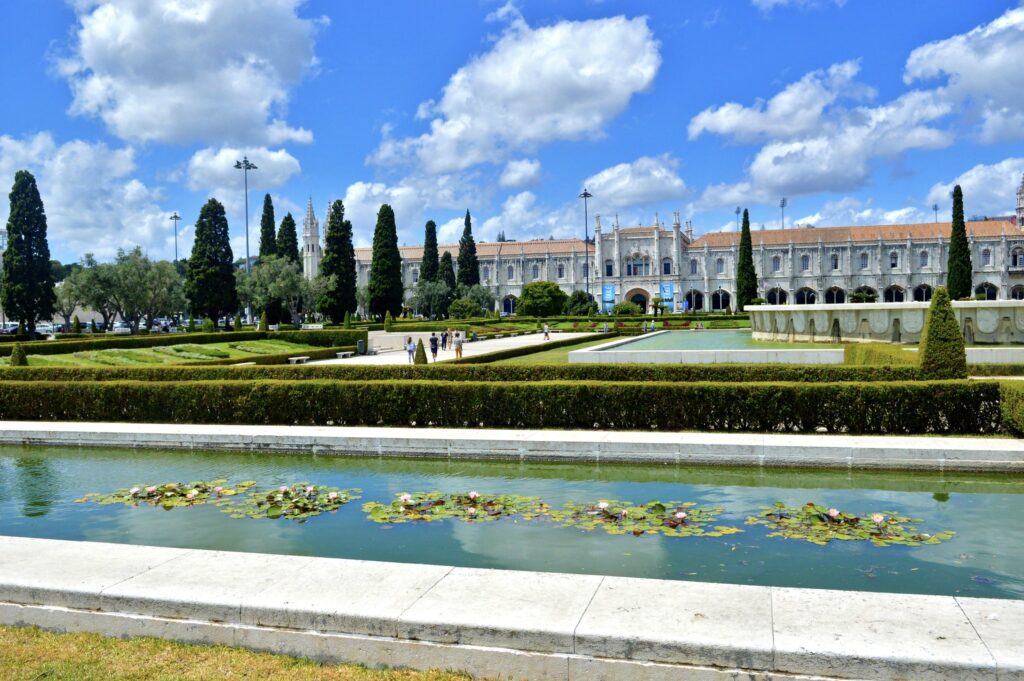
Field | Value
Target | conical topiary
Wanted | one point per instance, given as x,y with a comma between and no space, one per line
263,321
942,352
421,353
18,358
238,322
388,319
76,325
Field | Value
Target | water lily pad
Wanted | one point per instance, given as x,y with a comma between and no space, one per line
821,524
298,501
465,506
170,494
671,519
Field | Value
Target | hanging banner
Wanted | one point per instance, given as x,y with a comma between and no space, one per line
667,293
608,293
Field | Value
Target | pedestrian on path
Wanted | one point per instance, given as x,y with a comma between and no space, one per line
433,345
444,340
410,347
547,332
458,345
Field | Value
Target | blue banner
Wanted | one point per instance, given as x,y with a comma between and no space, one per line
608,293
667,293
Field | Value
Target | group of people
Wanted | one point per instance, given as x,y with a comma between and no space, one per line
451,338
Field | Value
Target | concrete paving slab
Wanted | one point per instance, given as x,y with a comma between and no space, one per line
721,625
881,636
1000,623
532,611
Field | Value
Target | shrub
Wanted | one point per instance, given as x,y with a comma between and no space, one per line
580,304
76,325
541,299
388,320
942,352
348,321
626,308
421,354
18,357
263,321
1012,406
869,354
191,325
209,326
238,322
463,308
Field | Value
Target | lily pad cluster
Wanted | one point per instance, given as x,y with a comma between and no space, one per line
672,519
298,501
820,525
465,506
171,494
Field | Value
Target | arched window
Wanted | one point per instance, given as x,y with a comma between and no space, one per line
776,264
894,260
609,268
666,266
922,293
1017,293
835,296
986,257
486,273
719,300
536,272
805,262
415,275
695,300
776,296
561,271
924,259
510,273
638,266
835,261
806,296
894,294
719,268
1017,257
863,261
693,266
864,294
988,290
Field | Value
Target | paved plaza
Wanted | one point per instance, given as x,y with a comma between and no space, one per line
480,347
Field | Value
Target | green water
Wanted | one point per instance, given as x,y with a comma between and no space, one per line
710,340
38,487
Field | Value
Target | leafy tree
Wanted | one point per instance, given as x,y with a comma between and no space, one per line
746,275
268,240
275,278
479,294
18,357
580,304
627,308
959,264
363,297
469,267
431,298
421,353
288,239
446,275
942,352
386,288
429,268
541,299
210,281
464,308
131,274
315,293
165,294
27,292
69,297
339,261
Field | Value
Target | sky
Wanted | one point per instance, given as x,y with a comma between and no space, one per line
855,111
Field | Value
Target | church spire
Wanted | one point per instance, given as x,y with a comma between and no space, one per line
1020,203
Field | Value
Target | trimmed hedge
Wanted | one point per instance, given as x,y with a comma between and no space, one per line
874,354
531,349
276,358
331,338
946,407
1012,404
996,369
444,371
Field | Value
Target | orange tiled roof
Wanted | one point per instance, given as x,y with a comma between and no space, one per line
490,249
812,235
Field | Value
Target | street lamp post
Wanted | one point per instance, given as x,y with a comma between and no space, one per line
782,205
935,207
738,218
586,238
245,166
174,218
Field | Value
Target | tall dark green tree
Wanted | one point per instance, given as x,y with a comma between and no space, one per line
959,265
746,275
339,259
210,276
469,267
268,240
27,293
428,268
386,288
446,275
288,239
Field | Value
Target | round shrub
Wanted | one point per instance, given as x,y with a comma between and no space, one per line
626,308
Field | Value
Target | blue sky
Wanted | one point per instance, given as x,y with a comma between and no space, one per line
858,112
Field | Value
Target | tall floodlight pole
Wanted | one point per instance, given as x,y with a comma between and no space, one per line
782,205
586,238
175,218
935,207
738,218
245,166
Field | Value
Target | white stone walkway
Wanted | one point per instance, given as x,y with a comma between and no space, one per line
468,350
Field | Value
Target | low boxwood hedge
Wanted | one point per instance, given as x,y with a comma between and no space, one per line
916,407
1012,404
869,354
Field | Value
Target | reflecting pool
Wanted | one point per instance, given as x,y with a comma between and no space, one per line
710,340
39,486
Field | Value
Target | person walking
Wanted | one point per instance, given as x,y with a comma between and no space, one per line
433,345
547,332
458,345
410,347
444,340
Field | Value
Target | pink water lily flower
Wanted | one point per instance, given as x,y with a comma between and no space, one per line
218,489
332,496
603,505
405,498
473,495
471,510
681,515
191,495
282,489
878,518
150,490
133,491
833,513
310,489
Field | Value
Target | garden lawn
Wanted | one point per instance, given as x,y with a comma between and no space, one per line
168,354
36,654
555,356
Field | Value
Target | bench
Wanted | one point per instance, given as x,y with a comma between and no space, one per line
312,327
298,360
245,364
346,354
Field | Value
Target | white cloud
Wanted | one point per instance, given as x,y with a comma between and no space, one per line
520,173
92,203
796,110
522,219
186,70
536,85
646,180
850,211
769,5
214,170
982,67
988,189
364,199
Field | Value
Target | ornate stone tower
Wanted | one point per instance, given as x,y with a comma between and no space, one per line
311,250
1020,203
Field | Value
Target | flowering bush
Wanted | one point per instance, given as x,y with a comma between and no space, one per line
820,525
673,518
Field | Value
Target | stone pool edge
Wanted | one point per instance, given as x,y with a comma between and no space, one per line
686,448
503,623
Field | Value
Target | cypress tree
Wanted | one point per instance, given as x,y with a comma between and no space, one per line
386,288
268,240
27,293
339,260
746,275
288,240
429,266
959,265
469,268
210,275
446,275
942,353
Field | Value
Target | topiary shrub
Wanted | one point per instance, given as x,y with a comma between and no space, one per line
347,324
421,353
238,322
18,357
388,320
92,326
76,325
191,325
263,321
208,326
942,345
